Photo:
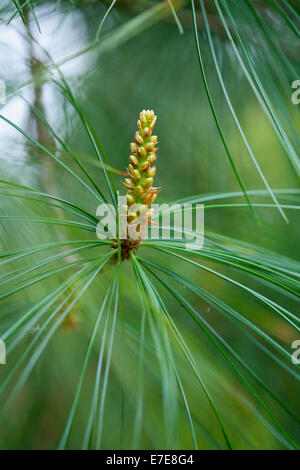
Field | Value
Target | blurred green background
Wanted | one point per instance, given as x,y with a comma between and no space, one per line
141,61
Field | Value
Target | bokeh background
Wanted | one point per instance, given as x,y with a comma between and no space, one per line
144,60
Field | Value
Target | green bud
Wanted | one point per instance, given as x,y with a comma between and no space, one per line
139,185
144,166
133,160
152,171
136,175
148,182
142,152
139,139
